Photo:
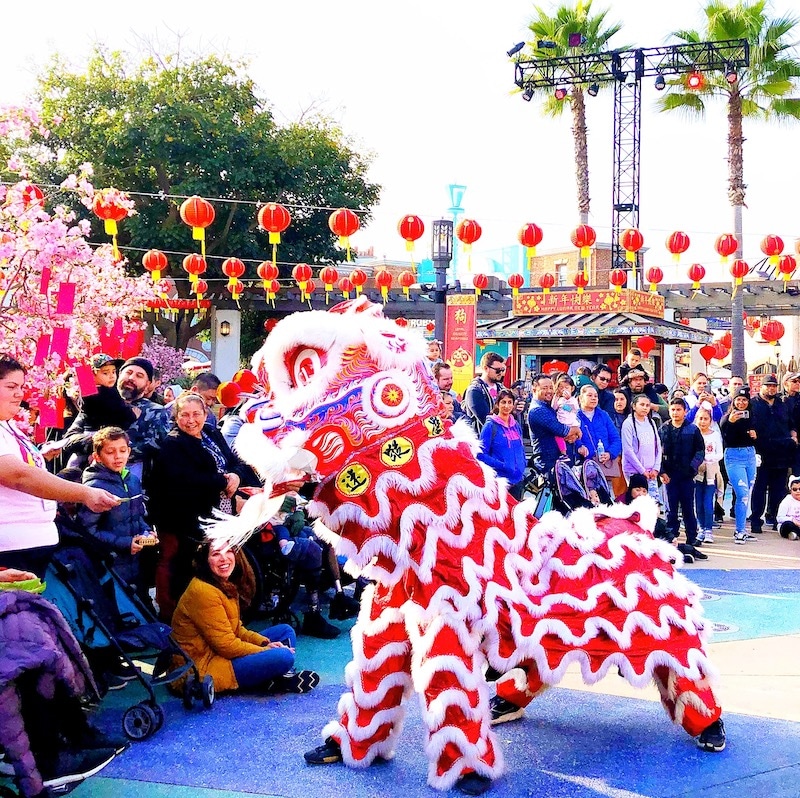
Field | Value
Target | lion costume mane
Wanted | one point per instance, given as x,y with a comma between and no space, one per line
464,575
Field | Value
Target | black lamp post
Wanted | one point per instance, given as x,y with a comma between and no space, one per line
441,254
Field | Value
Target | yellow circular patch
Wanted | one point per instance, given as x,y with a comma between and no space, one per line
397,452
353,480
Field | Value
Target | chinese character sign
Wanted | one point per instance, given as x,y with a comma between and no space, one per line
459,343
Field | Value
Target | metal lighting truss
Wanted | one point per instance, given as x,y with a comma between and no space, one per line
626,68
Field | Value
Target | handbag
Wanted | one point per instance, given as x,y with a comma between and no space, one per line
611,467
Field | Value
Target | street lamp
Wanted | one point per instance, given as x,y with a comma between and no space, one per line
441,254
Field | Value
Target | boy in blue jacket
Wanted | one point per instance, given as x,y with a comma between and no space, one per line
123,529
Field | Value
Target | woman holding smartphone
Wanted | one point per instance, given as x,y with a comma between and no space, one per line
738,437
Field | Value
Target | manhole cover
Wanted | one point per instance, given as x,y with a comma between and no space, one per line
723,628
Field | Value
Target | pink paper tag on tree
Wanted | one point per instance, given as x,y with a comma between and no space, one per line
66,298
85,377
44,283
60,341
48,416
42,350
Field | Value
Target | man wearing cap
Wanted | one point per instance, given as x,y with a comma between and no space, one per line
776,445
635,382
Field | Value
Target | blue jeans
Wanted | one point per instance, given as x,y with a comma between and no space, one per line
255,670
740,463
704,504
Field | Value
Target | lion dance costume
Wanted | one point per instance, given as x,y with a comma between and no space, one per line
464,575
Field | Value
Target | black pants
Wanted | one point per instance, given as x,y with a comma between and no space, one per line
680,492
787,527
34,560
770,481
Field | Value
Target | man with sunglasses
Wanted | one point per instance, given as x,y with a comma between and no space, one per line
601,377
481,393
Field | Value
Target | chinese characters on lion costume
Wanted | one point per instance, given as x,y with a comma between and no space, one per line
466,579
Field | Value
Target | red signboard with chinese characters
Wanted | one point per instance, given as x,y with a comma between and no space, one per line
459,340
540,304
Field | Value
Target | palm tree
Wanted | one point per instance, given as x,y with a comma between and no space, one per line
763,91
556,26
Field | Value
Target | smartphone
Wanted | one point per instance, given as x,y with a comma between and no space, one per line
744,414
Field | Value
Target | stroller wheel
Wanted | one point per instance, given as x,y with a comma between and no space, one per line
188,690
159,715
139,722
207,691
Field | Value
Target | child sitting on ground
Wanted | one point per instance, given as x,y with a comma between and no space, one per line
788,515
123,529
566,407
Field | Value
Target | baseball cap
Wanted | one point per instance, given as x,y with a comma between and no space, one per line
636,372
770,379
100,360
792,375
742,392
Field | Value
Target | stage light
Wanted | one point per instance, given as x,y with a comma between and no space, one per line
695,81
545,44
593,89
576,40
560,93
516,48
731,75
660,83
527,95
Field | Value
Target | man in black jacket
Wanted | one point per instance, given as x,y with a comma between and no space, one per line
481,393
683,449
776,444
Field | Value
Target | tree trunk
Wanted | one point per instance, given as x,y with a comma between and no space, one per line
736,194
581,152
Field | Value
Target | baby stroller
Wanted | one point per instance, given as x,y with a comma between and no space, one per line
107,616
568,487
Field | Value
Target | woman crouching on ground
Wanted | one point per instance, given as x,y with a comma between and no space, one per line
208,626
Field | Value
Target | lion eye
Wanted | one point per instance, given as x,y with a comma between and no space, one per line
303,364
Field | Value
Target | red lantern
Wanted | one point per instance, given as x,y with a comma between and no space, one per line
583,237
720,351
617,278
515,281
468,231
406,280
739,270
311,286
198,214
272,287
411,228
654,277
267,272
358,277
677,244
195,265
107,206
302,274
530,236
580,281
646,343
235,287
631,240
344,223
725,246
772,247
269,325
383,279
329,277
274,218
786,268
772,331
480,282
346,286
155,261
696,273
401,322
707,352
546,282
200,288
232,268
726,340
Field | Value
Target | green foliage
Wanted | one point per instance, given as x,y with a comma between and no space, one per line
765,87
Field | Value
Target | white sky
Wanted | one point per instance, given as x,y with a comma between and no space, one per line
426,86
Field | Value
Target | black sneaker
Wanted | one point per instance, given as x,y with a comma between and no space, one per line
713,738
504,711
113,681
299,682
343,607
314,625
328,753
92,738
473,784
68,767
699,555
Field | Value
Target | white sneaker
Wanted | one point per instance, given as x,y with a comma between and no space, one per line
708,536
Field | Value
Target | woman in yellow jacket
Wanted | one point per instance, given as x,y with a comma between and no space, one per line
208,626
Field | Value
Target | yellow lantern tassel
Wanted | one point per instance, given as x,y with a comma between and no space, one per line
630,256
676,258
358,291
515,291
545,290
653,288
193,278
773,260
586,251
406,292
477,292
271,298
156,275
617,289
384,293
580,289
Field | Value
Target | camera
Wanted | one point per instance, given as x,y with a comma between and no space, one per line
744,413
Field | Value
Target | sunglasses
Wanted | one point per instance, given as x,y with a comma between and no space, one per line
501,370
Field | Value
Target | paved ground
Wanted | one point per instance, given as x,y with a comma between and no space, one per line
608,740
